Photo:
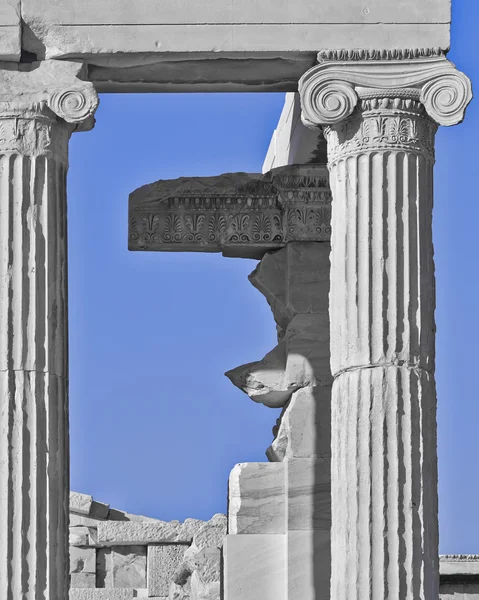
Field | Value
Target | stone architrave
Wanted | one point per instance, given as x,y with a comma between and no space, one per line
380,111
41,104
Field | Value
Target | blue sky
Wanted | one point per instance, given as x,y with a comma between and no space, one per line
155,425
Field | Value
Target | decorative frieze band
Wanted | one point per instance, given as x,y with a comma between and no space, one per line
239,214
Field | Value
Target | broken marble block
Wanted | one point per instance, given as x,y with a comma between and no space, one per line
257,501
163,561
82,560
80,503
304,428
83,536
121,567
200,568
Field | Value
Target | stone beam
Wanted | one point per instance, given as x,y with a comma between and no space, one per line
238,214
216,45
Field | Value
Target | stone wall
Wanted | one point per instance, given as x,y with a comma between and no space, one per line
115,555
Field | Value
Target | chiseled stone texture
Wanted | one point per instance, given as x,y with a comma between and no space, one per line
254,567
82,560
80,503
257,498
95,594
200,569
152,558
112,533
163,561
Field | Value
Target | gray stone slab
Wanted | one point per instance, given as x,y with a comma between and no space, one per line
80,503
82,580
189,12
82,560
83,536
256,499
255,567
309,565
459,564
113,533
308,485
162,563
96,594
150,46
10,30
128,567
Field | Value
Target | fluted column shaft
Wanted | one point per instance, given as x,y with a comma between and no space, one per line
384,480
34,450
380,110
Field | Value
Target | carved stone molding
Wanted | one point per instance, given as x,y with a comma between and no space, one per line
239,214
331,90
394,124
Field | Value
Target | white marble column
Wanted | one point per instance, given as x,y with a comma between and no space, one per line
380,112
39,109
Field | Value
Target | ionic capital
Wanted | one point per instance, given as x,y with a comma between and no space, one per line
41,104
331,90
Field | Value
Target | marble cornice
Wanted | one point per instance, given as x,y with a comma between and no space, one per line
238,214
331,91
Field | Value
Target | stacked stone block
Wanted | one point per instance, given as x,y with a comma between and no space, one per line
115,555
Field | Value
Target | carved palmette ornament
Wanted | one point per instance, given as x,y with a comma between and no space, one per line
237,214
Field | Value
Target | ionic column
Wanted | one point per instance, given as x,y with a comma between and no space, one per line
381,111
39,109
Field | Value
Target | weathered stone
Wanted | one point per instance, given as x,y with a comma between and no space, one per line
104,568
304,428
163,562
128,567
257,498
292,142
255,567
459,565
83,536
200,569
99,510
238,214
96,594
308,487
82,560
308,564
82,580
300,360
82,521
80,503
247,46
111,533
